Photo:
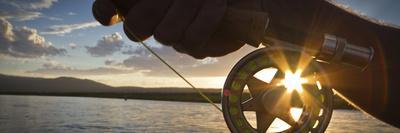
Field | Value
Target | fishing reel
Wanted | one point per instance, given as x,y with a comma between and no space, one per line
275,89
282,84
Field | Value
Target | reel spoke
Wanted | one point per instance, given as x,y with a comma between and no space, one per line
256,86
264,120
282,108
249,105
287,117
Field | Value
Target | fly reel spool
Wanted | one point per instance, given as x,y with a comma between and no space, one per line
260,83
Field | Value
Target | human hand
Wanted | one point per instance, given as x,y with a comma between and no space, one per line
199,28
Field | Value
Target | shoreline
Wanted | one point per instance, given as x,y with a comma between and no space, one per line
179,97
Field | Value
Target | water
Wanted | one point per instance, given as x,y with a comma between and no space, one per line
73,114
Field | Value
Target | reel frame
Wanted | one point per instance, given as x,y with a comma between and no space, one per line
243,73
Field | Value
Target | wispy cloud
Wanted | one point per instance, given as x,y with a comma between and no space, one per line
68,28
54,18
148,65
110,62
362,14
71,13
22,10
52,68
72,45
20,15
30,4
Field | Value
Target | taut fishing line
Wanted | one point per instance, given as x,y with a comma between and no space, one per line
205,97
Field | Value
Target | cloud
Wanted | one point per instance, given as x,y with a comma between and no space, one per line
24,42
68,28
54,18
56,69
22,10
31,4
110,62
108,45
143,61
362,14
72,45
20,15
71,13
6,30
209,60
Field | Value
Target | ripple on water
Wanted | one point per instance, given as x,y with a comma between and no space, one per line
73,114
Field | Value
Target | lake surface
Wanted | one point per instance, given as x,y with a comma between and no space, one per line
75,114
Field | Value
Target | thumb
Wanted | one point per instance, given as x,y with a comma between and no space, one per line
104,11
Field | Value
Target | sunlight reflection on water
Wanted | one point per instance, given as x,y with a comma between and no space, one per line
73,114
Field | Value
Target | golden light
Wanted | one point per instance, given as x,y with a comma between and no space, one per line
279,125
266,75
293,81
319,85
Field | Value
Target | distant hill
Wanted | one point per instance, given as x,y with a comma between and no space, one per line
44,85
17,84
67,86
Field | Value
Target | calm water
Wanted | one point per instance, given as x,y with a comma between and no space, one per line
72,114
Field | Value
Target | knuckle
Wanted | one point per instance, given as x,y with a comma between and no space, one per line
197,56
197,52
128,33
162,38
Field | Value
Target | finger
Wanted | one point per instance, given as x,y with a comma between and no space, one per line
205,23
124,5
180,15
217,47
144,17
244,25
104,11
178,48
219,44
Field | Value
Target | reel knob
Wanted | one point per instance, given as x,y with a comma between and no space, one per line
338,50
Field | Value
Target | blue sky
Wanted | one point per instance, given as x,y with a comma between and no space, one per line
81,48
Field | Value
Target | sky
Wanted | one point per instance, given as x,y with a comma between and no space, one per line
53,38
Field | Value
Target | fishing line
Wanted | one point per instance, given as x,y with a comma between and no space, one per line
205,97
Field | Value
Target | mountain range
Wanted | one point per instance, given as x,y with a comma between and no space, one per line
68,86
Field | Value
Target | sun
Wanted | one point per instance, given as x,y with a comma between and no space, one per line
293,81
